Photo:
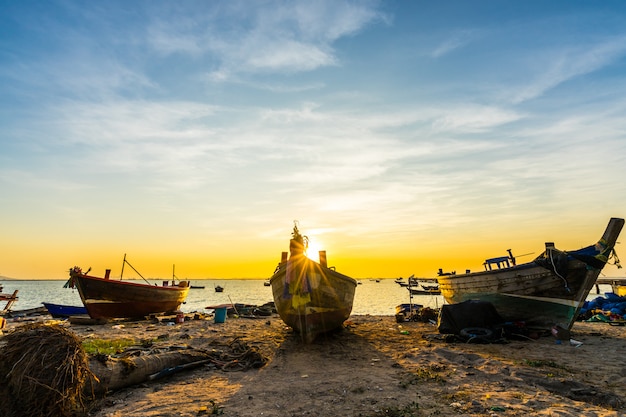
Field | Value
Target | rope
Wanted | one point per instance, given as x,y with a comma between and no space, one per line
567,288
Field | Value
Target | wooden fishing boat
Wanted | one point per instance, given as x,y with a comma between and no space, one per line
309,296
108,298
64,311
546,292
425,289
10,300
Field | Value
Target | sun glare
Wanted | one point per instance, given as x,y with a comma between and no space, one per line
313,251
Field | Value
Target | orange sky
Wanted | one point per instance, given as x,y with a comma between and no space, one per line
383,255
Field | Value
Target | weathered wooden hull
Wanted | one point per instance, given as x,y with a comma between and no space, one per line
545,292
106,298
311,298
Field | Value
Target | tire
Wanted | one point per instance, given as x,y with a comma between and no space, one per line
476,333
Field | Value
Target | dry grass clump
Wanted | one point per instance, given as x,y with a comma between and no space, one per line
43,369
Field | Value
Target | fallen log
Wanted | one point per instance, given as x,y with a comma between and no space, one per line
115,373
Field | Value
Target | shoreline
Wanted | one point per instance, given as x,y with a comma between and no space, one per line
374,364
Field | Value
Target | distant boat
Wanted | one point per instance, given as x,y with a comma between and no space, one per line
219,288
64,311
266,283
197,287
424,289
548,291
309,296
108,298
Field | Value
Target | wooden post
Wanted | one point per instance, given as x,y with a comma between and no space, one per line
323,260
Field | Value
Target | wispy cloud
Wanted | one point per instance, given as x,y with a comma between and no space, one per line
555,67
278,37
456,41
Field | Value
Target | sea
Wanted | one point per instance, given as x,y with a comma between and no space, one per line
373,296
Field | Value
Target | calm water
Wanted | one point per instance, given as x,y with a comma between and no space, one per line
376,298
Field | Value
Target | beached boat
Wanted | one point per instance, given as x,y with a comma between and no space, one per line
309,296
546,292
108,298
64,311
618,285
620,289
9,298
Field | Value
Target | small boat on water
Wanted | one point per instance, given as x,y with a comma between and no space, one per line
197,287
108,298
309,296
425,289
64,311
219,288
546,292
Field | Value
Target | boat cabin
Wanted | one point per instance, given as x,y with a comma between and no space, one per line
500,262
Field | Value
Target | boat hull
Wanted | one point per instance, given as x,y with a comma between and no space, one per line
64,311
311,298
106,298
546,292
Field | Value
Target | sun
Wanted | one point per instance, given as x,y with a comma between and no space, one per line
313,251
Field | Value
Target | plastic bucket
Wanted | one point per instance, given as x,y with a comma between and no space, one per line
180,317
220,315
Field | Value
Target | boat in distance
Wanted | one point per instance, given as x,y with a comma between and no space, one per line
106,298
548,291
309,296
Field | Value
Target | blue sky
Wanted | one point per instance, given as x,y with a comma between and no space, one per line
402,135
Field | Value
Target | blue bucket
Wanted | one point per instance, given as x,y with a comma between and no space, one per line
220,315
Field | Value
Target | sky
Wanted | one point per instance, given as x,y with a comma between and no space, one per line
402,136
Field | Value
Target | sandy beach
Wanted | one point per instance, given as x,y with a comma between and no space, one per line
374,367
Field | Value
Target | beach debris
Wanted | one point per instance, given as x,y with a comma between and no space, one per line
46,372
43,369
609,309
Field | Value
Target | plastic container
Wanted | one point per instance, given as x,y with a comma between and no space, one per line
220,315
180,317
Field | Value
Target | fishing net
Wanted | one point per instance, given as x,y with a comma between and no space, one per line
43,369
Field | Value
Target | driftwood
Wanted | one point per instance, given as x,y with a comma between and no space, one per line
45,372
115,373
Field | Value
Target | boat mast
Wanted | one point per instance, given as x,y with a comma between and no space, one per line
123,263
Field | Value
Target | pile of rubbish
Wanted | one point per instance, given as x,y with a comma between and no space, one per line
609,309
